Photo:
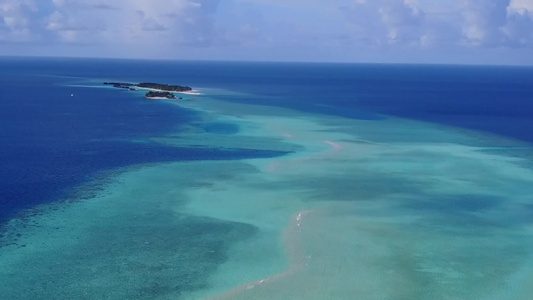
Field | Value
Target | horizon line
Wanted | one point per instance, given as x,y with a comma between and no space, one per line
7,56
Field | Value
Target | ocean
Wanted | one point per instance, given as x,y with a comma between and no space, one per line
279,181
52,141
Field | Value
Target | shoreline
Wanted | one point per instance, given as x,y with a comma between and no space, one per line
161,98
294,250
192,92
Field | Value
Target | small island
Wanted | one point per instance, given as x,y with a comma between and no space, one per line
121,85
156,90
160,95
164,87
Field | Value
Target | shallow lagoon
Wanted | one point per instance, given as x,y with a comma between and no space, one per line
377,209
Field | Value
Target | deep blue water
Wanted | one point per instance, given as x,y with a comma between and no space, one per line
51,142
495,99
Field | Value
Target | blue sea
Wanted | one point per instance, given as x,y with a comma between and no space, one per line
421,138
53,142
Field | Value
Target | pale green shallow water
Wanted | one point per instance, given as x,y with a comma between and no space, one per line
388,209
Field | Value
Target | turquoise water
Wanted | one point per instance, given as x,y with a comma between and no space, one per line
282,189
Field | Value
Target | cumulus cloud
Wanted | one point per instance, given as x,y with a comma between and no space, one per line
498,22
15,19
521,6
384,21
483,21
425,23
271,27
519,26
131,20
403,20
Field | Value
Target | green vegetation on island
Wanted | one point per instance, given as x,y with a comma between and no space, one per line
164,87
158,90
168,95
149,85
122,85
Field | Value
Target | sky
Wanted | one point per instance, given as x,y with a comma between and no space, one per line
359,31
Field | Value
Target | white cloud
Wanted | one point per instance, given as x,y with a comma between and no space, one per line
403,20
458,23
131,21
276,28
519,29
15,19
483,21
386,22
498,22
521,6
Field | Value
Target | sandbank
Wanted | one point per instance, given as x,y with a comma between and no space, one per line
160,98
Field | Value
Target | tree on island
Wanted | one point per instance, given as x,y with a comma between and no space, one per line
164,87
163,90
167,95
